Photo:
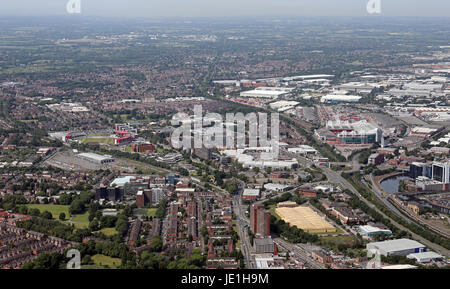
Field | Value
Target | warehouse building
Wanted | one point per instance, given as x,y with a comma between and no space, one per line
250,194
99,159
303,150
369,231
267,92
277,187
396,247
335,98
425,257
399,267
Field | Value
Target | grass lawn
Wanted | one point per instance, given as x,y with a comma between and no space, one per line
108,231
272,211
55,210
101,140
151,212
339,239
338,231
81,221
238,243
102,260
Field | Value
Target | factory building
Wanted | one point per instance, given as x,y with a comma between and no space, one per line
396,247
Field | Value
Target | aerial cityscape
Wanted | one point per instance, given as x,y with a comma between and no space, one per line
226,143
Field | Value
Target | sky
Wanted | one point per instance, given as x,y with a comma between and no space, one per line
226,8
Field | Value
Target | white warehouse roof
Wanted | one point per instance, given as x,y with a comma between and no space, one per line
342,98
95,157
276,187
251,192
424,257
367,230
396,245
400,266
262,93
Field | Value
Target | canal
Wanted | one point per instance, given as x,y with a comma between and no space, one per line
391,185
386,202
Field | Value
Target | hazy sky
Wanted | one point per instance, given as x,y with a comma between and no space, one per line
213,8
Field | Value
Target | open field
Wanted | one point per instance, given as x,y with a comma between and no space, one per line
55,210
102,260
108,231
272,211
100,140
151,212
81,221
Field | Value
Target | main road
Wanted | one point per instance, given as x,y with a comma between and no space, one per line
242,225
298,253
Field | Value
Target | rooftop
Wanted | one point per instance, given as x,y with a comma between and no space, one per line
397,245
251,192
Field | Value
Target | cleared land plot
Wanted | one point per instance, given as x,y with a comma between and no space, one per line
305,218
